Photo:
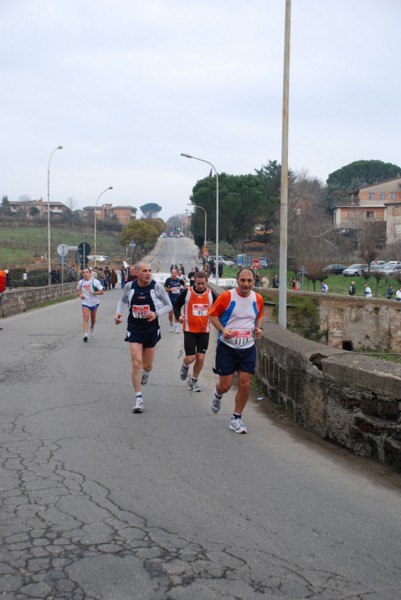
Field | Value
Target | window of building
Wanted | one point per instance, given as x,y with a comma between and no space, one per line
371,196
382,196
391,195
370,214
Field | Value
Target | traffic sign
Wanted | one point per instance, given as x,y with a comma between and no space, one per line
62,249
84,249
255,263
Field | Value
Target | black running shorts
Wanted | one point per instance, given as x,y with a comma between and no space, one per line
147,337
195,343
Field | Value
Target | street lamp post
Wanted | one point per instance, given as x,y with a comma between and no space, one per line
217,208
49,260
282,310
94,229
204,210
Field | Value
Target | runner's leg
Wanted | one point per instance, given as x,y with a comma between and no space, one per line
198,366
136,350
85,315
242,395
148,355
93,316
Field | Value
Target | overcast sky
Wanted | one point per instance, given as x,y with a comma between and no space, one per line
125,86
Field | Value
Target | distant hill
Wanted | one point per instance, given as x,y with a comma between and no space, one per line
24,243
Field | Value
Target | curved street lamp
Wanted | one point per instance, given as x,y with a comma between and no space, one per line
94,230
49,260
204,210
217,208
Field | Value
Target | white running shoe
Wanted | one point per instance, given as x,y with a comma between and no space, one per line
92,331
144,377
215,403
172,330
237,425
138,407
193,385
184,372
176,328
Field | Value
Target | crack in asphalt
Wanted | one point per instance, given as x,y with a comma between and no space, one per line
58,529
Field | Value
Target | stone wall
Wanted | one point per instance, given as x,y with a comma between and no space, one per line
350,399
362,323
23,299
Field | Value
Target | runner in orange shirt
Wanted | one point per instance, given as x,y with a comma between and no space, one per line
196,302
238,315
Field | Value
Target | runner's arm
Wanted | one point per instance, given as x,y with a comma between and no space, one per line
179,304
99,288
79,290
165,303
122,303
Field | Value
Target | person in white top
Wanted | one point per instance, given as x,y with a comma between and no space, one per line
237,314
368,291
88,289
398,294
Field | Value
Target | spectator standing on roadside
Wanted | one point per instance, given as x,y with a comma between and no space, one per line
265,281
398,294
113,278
325,287
124,275
368,291
106,285
237,315
88,289
389,292
352,289
275,281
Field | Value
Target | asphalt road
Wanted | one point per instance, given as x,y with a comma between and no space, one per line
99,503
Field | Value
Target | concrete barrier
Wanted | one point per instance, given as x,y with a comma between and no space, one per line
350,399
23,299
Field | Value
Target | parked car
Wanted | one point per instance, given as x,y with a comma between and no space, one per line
334,269
224,260
263,262
355,269
377,265
390,268
99,258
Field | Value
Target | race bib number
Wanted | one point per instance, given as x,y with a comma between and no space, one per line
175,290
242,337
200,310
138,312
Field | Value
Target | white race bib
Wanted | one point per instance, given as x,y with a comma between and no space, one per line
200,310
138,311
241,337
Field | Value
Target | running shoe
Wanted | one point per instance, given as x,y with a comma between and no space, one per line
193,385
237,425
138,407
92,331
215,404
176,328
85,337
184,372
172,330
144,377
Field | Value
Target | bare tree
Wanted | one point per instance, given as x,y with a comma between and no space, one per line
310,227
71,203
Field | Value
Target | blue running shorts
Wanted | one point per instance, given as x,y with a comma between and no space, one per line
229,360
